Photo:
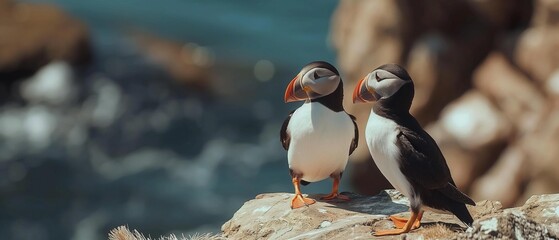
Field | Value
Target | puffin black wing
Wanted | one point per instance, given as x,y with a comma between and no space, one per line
285,139
420,151
355,141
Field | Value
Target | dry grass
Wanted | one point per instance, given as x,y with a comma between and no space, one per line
436,231
123,233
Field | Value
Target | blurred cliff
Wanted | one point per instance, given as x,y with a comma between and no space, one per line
32,36
487,86
160,116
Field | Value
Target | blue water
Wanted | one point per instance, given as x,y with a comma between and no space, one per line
286,32
213,152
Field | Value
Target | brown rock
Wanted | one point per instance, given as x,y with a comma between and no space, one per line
509,225
536,47
440,76
506,14
270,217
435,41
535,52
423,69
471,134
546,13
537,218
542,151
541,146
189,64
474,122
552,86
446,47
32,35
538,185
543,209
485,208
366,34
515,95
504,180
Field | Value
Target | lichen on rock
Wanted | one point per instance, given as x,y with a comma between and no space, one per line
269,216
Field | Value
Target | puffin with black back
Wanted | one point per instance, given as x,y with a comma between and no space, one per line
405,154
319,136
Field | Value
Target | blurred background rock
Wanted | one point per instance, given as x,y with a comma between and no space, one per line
487,85
165,115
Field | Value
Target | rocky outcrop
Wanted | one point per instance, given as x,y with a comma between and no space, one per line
189,64
487,89
538,218
269,216
32,35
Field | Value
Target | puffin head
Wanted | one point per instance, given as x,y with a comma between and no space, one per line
383,83
315,80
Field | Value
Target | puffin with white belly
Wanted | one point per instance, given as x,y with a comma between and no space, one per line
319,136
405,154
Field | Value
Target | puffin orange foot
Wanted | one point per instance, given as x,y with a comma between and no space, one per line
332,196
400,222
300,201
408,225
390,232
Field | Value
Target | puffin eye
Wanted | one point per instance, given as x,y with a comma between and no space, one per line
316,75
377,77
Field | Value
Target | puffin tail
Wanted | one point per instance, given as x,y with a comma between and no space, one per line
460,211
453,193
305,183
458,203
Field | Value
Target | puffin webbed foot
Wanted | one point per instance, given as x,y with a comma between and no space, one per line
407,226
300,201
335,195
400,222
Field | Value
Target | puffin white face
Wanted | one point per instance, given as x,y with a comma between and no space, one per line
321,81
384,83
378,84
318,81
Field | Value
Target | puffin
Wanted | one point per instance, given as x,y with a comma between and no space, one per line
320,135
405,153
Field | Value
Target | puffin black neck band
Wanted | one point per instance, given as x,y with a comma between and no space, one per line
396,104
334,100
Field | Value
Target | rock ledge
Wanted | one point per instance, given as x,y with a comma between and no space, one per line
269,216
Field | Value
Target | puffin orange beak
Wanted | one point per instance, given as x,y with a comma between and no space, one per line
294,91
362,93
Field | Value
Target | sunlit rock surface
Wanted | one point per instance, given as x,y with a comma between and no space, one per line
269,216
